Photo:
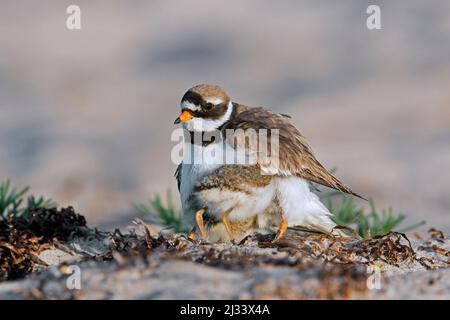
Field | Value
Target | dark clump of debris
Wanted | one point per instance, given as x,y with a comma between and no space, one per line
61,224
132,245
22,240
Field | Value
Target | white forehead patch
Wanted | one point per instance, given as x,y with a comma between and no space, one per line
189,105
214,101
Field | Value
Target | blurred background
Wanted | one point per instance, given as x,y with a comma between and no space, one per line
86,116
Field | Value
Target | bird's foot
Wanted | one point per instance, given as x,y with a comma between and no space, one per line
281,230
191,235
201,224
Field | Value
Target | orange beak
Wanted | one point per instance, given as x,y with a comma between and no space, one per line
185,116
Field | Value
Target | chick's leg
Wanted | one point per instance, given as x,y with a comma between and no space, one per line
201,224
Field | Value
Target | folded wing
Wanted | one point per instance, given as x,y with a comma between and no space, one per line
295,156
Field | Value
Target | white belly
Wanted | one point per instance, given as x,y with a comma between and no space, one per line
199,161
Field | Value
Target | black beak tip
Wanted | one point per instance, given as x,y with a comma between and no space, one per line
177,121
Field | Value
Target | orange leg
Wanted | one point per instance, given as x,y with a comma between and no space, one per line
191,234
201,224
281,230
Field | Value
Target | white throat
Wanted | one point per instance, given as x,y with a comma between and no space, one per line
208,125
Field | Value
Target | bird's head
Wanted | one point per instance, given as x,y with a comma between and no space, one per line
204,108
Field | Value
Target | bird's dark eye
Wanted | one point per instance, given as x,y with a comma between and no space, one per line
209,106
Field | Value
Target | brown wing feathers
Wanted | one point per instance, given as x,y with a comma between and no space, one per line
296,157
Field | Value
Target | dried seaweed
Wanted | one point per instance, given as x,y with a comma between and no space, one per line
392,248
132,245
299,251
337,264
441,250
436,234
22,240
19,252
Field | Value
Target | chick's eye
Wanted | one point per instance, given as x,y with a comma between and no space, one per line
209,106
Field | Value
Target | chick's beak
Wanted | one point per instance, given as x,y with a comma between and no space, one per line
185,116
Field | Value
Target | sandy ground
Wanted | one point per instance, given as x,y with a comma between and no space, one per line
86,116
298,267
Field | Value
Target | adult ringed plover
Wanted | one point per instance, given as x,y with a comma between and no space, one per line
229,200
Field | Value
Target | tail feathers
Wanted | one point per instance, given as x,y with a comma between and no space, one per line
332,182
319,217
